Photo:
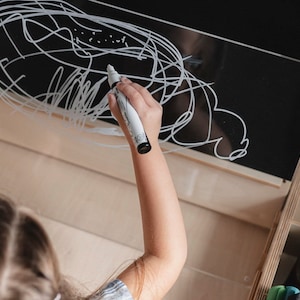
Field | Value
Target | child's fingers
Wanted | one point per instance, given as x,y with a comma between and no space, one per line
144,93
133,94
113,106
148,99
125,80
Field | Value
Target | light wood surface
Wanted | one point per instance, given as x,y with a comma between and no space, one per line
199,179
288,218
87,199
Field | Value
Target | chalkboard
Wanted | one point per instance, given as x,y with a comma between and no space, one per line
219,97
272,26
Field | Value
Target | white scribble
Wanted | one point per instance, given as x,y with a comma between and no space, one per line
79,46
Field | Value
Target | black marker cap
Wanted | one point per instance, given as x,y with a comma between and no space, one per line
144,148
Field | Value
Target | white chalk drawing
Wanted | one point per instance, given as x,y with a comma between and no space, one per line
80,45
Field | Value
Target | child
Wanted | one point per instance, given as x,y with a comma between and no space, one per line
28,265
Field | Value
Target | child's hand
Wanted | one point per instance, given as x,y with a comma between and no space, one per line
148,109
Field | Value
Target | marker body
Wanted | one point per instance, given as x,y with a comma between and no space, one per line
131,117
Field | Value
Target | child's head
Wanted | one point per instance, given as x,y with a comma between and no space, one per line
28,264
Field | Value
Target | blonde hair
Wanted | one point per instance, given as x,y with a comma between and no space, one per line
29,267
28,263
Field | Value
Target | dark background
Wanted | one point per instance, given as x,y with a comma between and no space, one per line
270,25
263,89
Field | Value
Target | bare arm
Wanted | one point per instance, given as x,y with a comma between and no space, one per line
165,244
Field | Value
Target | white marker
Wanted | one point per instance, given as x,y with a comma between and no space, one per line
129,114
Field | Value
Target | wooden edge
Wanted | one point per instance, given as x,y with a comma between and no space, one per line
167,147
226,165
279,238
54,141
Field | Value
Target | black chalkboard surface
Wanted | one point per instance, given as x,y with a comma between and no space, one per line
270,25
232,101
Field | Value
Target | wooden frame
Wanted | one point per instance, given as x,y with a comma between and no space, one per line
237,218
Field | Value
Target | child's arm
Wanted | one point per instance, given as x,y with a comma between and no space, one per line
165,245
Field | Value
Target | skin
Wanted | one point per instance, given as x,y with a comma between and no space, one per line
165,245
